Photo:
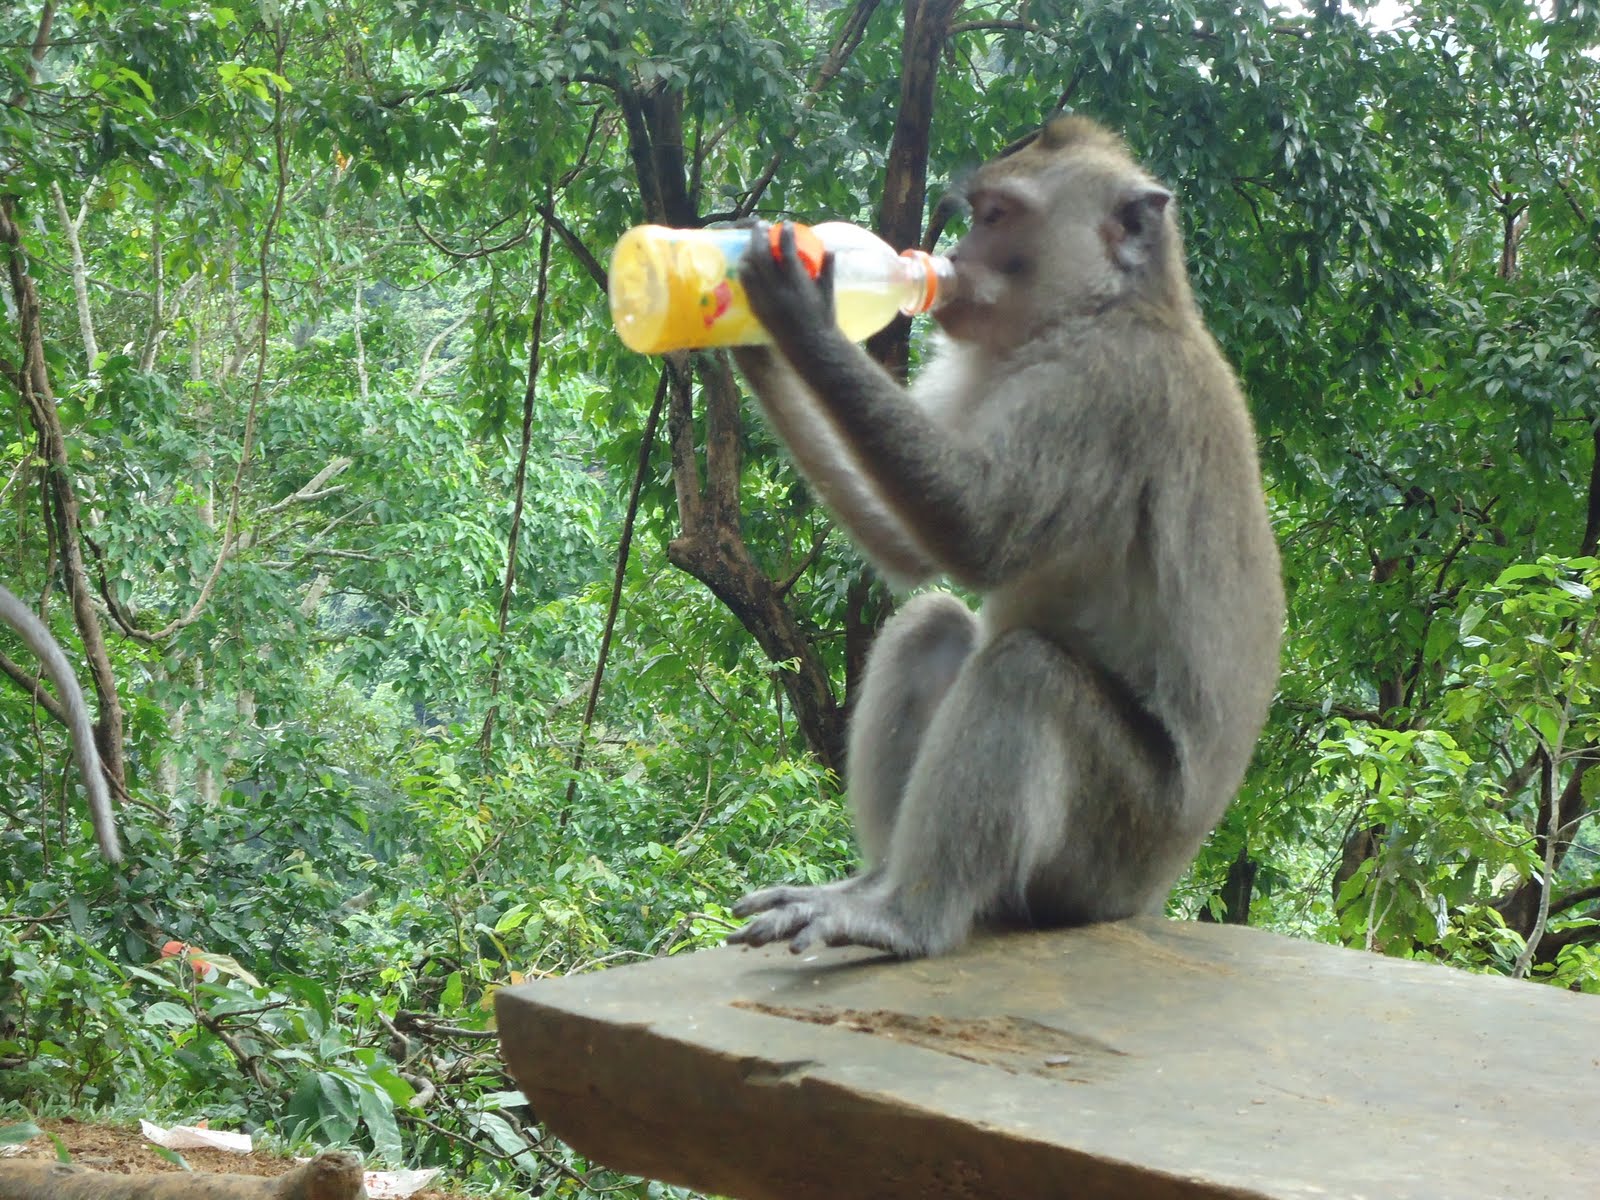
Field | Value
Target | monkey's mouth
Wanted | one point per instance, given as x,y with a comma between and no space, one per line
972,287
972,296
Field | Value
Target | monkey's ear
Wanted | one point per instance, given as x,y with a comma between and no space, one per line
1135,227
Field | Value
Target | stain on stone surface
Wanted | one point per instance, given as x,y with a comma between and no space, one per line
1016,1045
775,1073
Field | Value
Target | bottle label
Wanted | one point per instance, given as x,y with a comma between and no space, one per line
678,290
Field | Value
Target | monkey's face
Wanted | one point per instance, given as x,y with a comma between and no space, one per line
997,265
1056,232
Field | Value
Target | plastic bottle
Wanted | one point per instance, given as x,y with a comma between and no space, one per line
678,289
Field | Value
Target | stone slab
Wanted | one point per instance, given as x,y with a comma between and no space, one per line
1146,1059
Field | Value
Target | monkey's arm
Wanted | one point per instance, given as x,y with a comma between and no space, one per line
957,502
38,638
827,463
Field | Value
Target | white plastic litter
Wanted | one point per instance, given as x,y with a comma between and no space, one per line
190,1137
397,1183
383,1185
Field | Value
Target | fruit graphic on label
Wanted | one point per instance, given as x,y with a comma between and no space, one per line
721,298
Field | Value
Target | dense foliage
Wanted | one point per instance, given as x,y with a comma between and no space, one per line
438,642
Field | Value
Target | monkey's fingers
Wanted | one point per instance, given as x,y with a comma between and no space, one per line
773,248
788,251
796,267
805,264
825,282
760,240
822,928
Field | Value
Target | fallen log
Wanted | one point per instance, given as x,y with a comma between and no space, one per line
329,1176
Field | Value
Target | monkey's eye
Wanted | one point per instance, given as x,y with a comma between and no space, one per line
989,210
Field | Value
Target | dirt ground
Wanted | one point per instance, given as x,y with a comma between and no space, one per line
124,1150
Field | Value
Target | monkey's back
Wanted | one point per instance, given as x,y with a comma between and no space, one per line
1172,582
1226,575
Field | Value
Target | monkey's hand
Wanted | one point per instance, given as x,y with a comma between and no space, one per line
854,912
793,308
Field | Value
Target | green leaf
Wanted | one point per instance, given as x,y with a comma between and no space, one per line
377,1110
227,965
168,1015
336,1109
513,918
1521,571
170,1156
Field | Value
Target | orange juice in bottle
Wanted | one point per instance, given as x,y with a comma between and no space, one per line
678,289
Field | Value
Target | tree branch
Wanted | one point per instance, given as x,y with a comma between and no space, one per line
32,684
309,490
624,548
530,395
1573,899
424,376
839,53
70,229
269,234
1591,527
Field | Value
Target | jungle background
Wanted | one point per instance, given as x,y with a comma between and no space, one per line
438,642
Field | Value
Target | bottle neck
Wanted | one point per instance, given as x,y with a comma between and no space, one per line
930,280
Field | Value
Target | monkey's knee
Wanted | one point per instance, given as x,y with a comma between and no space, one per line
913,664
1110,724
923,646
1102,804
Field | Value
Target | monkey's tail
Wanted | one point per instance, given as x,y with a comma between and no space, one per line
38,638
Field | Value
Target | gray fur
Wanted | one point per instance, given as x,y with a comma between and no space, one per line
36,636
1079,453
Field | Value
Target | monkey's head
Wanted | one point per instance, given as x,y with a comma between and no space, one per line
1067,225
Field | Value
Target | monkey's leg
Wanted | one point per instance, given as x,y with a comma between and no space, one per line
913,663
1040,793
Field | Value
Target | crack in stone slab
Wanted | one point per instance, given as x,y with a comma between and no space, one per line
1016,1045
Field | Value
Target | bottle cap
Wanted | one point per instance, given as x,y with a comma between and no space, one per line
808,246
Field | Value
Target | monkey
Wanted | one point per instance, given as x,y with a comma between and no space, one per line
1077,453
36,636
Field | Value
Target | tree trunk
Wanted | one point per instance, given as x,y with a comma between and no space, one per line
1236,891
711,544
32,380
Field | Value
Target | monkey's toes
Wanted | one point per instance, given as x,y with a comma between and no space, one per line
767,898
778,925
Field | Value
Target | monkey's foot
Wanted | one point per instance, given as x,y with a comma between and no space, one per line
835,914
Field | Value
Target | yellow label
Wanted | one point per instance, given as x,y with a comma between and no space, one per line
675,289
706,305
678,289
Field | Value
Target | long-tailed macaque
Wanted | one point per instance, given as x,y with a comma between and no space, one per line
1078,454
36,636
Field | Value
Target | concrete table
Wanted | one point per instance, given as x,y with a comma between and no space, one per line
1142,1059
